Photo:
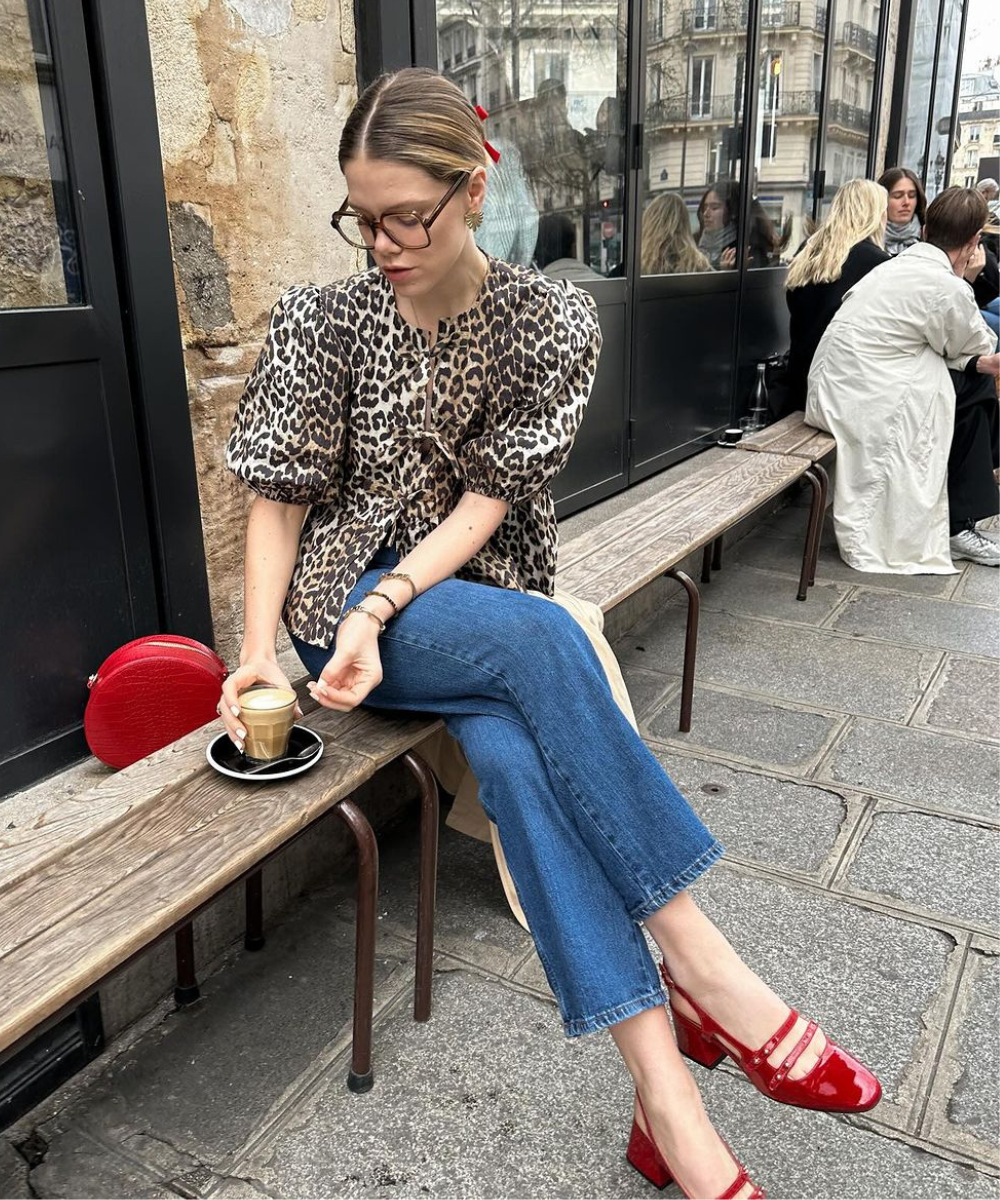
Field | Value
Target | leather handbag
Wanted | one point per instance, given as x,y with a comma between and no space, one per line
149,693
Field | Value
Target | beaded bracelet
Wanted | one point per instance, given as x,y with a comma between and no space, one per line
368,613
387,598
404,577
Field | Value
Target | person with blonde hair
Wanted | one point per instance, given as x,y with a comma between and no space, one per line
400,430
842,250
668,246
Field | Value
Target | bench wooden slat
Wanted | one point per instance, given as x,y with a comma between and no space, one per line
643,517
83,918
615,572
791,435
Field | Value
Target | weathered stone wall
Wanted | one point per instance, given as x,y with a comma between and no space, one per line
251,97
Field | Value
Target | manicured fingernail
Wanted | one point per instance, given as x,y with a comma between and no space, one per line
235,710
241,734
321,686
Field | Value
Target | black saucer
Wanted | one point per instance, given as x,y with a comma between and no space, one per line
227,760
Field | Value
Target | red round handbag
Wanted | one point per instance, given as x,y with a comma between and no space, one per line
149,693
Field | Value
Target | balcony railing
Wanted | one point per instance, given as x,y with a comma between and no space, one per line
859,38
710,18
674,109
849,116
819,20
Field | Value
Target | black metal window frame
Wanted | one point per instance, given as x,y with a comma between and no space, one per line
901,81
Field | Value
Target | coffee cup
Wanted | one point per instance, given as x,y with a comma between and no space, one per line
267,713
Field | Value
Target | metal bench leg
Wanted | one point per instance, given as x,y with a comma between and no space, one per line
717,554
253,939
429,819
690,646
360,1077
186,990
824,484
813,530
706,564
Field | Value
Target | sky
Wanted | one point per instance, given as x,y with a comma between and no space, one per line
982,35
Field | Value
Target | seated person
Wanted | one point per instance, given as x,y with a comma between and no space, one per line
916,445
555,250
843,250
668,246
718,213
906,210
984,276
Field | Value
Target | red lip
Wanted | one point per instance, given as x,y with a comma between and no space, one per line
396,272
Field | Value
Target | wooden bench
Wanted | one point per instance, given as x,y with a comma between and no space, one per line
623,554
98,879
103,876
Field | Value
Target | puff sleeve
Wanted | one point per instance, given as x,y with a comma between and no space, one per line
535,394
290,429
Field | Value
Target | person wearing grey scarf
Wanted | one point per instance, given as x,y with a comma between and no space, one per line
900,237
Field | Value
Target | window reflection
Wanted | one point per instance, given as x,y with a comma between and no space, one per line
552,77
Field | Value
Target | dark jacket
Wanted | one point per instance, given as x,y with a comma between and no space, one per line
986,283
811,308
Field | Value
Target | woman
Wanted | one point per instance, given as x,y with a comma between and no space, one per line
717,214
843,250
421,409
667,243
904,378
906,210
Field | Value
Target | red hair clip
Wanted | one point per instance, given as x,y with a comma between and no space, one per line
482,114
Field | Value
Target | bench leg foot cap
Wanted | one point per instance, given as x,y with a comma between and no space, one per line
360,1083
254,943
184,997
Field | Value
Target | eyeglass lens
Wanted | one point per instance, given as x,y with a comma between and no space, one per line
406,229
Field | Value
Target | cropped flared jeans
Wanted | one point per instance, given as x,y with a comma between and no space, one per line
595,834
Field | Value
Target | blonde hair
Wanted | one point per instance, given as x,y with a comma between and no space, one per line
415,116
667,243
857,214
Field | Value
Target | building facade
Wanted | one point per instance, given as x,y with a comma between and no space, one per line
978,133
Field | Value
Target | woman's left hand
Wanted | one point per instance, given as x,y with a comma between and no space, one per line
977,260
355,668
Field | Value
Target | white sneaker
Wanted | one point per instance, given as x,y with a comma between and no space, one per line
992,534
977,548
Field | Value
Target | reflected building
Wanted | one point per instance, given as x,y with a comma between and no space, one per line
978,133
552,77
696,86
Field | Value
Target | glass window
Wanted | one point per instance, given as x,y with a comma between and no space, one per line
918,95
555,91
695,80
944,95
39,264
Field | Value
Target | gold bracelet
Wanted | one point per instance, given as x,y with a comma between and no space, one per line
389,599
368,613
403,576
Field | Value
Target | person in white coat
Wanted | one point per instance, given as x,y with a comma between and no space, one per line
904,379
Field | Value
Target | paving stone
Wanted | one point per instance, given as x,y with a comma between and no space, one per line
868,978
785,555
758,818
646,688
202,1079
13,1173
980,585
919,621
748,728
747,591
79,1166
966,698
926,768
489,1100
472,918
975,1099
809,666
933,862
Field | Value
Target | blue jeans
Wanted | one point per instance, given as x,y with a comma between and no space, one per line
991,315
595,835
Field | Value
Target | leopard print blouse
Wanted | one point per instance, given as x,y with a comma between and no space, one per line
350,411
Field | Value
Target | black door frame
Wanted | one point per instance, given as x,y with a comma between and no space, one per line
126,103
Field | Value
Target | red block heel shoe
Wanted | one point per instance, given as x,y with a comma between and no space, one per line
837,1083
644,1155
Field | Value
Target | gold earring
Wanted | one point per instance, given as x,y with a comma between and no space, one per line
474,218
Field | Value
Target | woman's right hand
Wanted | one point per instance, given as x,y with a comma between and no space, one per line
727,259
988,364
254,670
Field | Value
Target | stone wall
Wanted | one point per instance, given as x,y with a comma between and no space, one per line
251,97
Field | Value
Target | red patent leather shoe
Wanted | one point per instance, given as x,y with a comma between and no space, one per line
837,1083
644,1155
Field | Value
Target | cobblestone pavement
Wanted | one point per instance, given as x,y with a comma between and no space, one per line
844,749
